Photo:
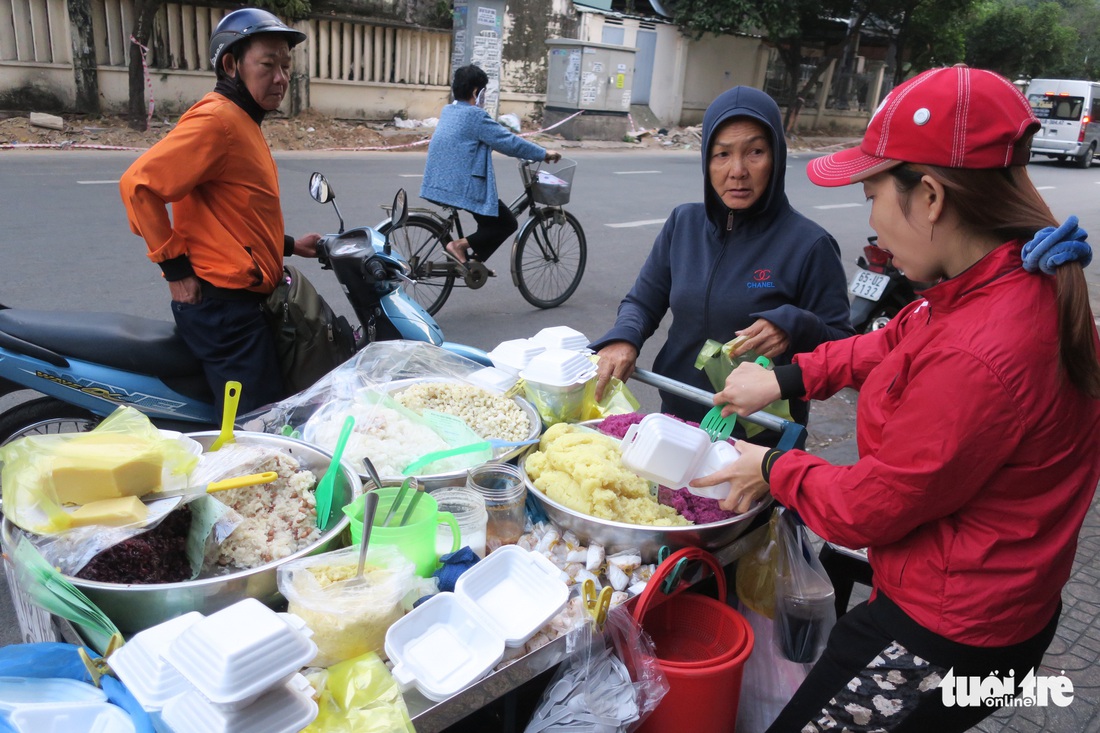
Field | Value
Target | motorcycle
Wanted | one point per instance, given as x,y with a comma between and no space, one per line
879,290
85,365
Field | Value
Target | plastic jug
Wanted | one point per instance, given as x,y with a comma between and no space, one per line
416,539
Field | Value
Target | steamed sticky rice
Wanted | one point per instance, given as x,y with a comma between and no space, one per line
583,470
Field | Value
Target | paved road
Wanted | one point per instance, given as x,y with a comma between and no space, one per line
66,246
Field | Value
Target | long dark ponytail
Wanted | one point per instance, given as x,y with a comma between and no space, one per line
1004,202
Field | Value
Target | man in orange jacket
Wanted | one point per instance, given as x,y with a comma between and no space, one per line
222,249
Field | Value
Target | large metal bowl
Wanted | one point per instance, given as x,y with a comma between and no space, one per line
617,536
435,481
134,607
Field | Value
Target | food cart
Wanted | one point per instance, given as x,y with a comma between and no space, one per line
430,715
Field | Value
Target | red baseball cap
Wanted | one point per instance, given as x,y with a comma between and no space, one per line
955,117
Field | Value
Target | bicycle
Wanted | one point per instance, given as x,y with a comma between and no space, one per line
548,253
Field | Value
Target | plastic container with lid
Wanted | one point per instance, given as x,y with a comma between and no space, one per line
665,450
285,709
559,368
235,655
561,337
141,665
514,355
718,455
71,717
454,639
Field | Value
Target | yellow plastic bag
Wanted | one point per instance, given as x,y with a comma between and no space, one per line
717,361
617,400
758,568
125,455
359,696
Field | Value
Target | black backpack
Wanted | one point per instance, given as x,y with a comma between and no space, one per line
310,339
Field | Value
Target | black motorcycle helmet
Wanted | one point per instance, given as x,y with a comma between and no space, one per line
242,24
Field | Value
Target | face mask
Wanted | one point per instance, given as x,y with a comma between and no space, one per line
480,101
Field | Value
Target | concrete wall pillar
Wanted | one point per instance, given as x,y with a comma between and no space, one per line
299,72
826,87
878,68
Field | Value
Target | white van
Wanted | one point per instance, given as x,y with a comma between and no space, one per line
1066,107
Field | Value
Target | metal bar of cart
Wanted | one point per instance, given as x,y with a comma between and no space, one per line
701,396
792,434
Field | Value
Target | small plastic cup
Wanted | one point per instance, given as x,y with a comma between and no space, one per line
505,495
468,507
416,539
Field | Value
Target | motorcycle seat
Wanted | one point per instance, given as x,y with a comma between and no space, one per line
140,345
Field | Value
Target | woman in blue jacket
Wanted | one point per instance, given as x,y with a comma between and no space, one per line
459,171
743,262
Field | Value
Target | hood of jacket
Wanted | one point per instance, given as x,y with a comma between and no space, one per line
755,104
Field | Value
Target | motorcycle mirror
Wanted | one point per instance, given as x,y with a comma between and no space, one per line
320,189
400,209
399,214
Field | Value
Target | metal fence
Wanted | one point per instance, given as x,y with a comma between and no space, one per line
847,90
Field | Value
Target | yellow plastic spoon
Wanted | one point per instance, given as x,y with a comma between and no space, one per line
229,414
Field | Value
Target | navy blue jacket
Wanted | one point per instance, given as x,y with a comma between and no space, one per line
719,270
459,171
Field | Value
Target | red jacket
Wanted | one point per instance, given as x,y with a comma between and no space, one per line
977,460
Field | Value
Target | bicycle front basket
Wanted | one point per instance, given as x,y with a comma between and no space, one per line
552,183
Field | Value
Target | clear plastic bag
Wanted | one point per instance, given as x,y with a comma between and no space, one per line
347,621
617,400
392,435
805,609
41,473
769,680
613,679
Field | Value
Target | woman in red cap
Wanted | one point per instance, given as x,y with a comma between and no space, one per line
978,424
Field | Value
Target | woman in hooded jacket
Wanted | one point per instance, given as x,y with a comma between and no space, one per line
743,262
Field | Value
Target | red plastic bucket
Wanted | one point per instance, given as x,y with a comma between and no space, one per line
702,645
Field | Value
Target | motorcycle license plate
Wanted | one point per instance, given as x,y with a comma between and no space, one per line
869,285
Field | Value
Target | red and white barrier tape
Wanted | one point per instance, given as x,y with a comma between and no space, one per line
68,145
148,78
425,142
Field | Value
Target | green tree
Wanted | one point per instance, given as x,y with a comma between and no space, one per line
286,9
1020,38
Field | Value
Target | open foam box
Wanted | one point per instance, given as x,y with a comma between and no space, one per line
454,639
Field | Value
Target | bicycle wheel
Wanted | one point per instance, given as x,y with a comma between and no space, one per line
420,242
549,257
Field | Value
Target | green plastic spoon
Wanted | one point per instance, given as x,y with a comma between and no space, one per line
323,492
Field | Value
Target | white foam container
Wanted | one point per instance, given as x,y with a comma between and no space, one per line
559,368
493,379
285,709
454,639
141,665
235,655
663,449
718,455
514,355
562,337
19,691
71,717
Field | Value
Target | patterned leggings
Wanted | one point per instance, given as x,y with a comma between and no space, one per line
868,681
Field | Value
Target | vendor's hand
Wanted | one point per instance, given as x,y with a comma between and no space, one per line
186,290
749,388
765,338
747,484
552,156
617,359
306,245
